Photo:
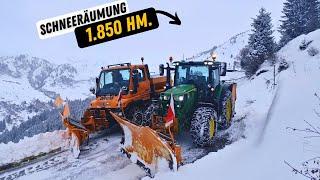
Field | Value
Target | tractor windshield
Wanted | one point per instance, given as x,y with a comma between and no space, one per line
111,81
192,74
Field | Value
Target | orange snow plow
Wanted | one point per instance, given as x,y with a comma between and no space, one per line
75,130
148,148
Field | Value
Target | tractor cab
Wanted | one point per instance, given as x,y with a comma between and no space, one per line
204,76
194,82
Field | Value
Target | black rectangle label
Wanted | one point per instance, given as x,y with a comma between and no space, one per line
118,27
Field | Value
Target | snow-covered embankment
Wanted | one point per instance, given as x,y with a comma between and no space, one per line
270,111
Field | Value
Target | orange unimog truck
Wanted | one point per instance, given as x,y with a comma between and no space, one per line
124,89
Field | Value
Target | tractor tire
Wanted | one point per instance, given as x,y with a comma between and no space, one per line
203,126
135,114
150,111
226,111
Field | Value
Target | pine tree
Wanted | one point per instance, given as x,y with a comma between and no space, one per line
261,45
300,17
261,42
312,15
2,126
291,26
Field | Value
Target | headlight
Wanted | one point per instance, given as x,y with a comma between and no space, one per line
165,98
179,98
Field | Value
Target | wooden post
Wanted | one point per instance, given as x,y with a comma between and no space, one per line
274,75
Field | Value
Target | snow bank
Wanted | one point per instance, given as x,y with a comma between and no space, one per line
32,146
226,52
269,111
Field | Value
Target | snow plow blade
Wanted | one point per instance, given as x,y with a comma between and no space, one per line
77,133
147,148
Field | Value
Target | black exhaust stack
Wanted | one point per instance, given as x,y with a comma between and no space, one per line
168,82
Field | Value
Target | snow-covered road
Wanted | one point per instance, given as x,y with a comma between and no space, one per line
102,161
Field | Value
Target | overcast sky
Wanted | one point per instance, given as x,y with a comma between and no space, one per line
205,23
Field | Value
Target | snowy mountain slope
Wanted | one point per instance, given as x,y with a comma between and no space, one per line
37,77
226,52
270,112
27,82
14,114
46,119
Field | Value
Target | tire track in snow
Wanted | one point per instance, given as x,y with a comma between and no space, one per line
269,114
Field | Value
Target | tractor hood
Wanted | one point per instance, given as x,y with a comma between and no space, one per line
180,90
184,97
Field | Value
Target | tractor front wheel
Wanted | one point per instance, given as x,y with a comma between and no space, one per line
227,110
203,126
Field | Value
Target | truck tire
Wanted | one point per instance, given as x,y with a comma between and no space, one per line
226,111
135,114
150,111
203,126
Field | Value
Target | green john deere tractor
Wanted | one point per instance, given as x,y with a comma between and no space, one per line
203,103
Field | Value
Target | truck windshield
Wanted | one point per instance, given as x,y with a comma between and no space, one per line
111,81
192,74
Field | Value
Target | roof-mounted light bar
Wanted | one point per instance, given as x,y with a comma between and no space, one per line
115,65
176,63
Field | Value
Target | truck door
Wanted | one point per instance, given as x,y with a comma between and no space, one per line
144,84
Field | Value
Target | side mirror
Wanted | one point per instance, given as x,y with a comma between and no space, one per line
93,90
135,77
97,82
125,89
161,69
223,69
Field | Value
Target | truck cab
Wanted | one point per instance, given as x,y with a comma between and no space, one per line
132,82
122,88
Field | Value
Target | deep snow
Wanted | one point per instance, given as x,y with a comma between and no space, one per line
32,146
270,111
